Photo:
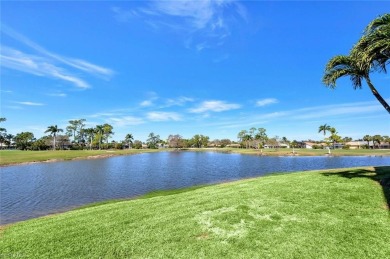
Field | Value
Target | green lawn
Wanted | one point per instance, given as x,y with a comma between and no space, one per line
8,157
324,214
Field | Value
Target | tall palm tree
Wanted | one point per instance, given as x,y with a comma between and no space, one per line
129,139
370,53
340,66
367,138
375,44
53,130
324,128
99,130
107,131
90,132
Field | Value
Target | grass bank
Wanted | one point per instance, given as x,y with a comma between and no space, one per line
327,214
303,152
9,157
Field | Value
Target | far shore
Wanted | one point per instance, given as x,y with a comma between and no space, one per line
17,157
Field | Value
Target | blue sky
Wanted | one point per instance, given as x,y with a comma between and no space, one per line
186,67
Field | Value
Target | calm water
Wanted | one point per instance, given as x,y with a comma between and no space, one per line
29,191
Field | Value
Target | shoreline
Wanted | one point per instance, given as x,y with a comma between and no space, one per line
113,153
168,192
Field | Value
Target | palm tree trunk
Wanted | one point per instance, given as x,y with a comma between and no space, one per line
54,142
377,95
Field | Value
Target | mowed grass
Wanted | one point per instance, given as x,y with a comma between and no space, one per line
9,157
319,214
305,152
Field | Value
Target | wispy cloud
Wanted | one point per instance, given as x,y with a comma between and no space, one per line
164,116
324,112
30,103
58,94
203,22
267,101
214,106
46,63
180,101
125,121
152,96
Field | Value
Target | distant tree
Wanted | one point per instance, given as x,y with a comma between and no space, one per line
386,139
129,140
99,129
107,131
294,144
261,137
2,130
241,135
62,141
334,138
199,140
137,144
8,139
368,138
90,134
24,140
224,142
53,130
75,129
175,141
324,128
378,139
153,140
347,139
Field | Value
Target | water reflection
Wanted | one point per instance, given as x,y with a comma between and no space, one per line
29,191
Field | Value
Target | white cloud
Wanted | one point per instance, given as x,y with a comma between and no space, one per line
30,103
180,101
46,63
214,106
152,96
104,114
58,94
125,121
266,101
146,103
201,21
164,116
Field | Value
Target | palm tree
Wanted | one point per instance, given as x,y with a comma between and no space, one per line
374,46
324,128
53,131
8,138
370,53
99,130
129,139
378,139
368,138
90,132
107,131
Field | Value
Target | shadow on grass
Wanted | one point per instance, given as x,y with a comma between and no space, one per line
379,174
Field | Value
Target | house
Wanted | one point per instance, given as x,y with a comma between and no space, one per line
365,144
279,145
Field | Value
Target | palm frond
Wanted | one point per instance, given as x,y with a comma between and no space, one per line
380,21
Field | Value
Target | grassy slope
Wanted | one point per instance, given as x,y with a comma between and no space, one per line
333,214
15,156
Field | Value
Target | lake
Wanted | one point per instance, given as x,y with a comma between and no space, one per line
29,191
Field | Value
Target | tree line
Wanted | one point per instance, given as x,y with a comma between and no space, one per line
77,136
